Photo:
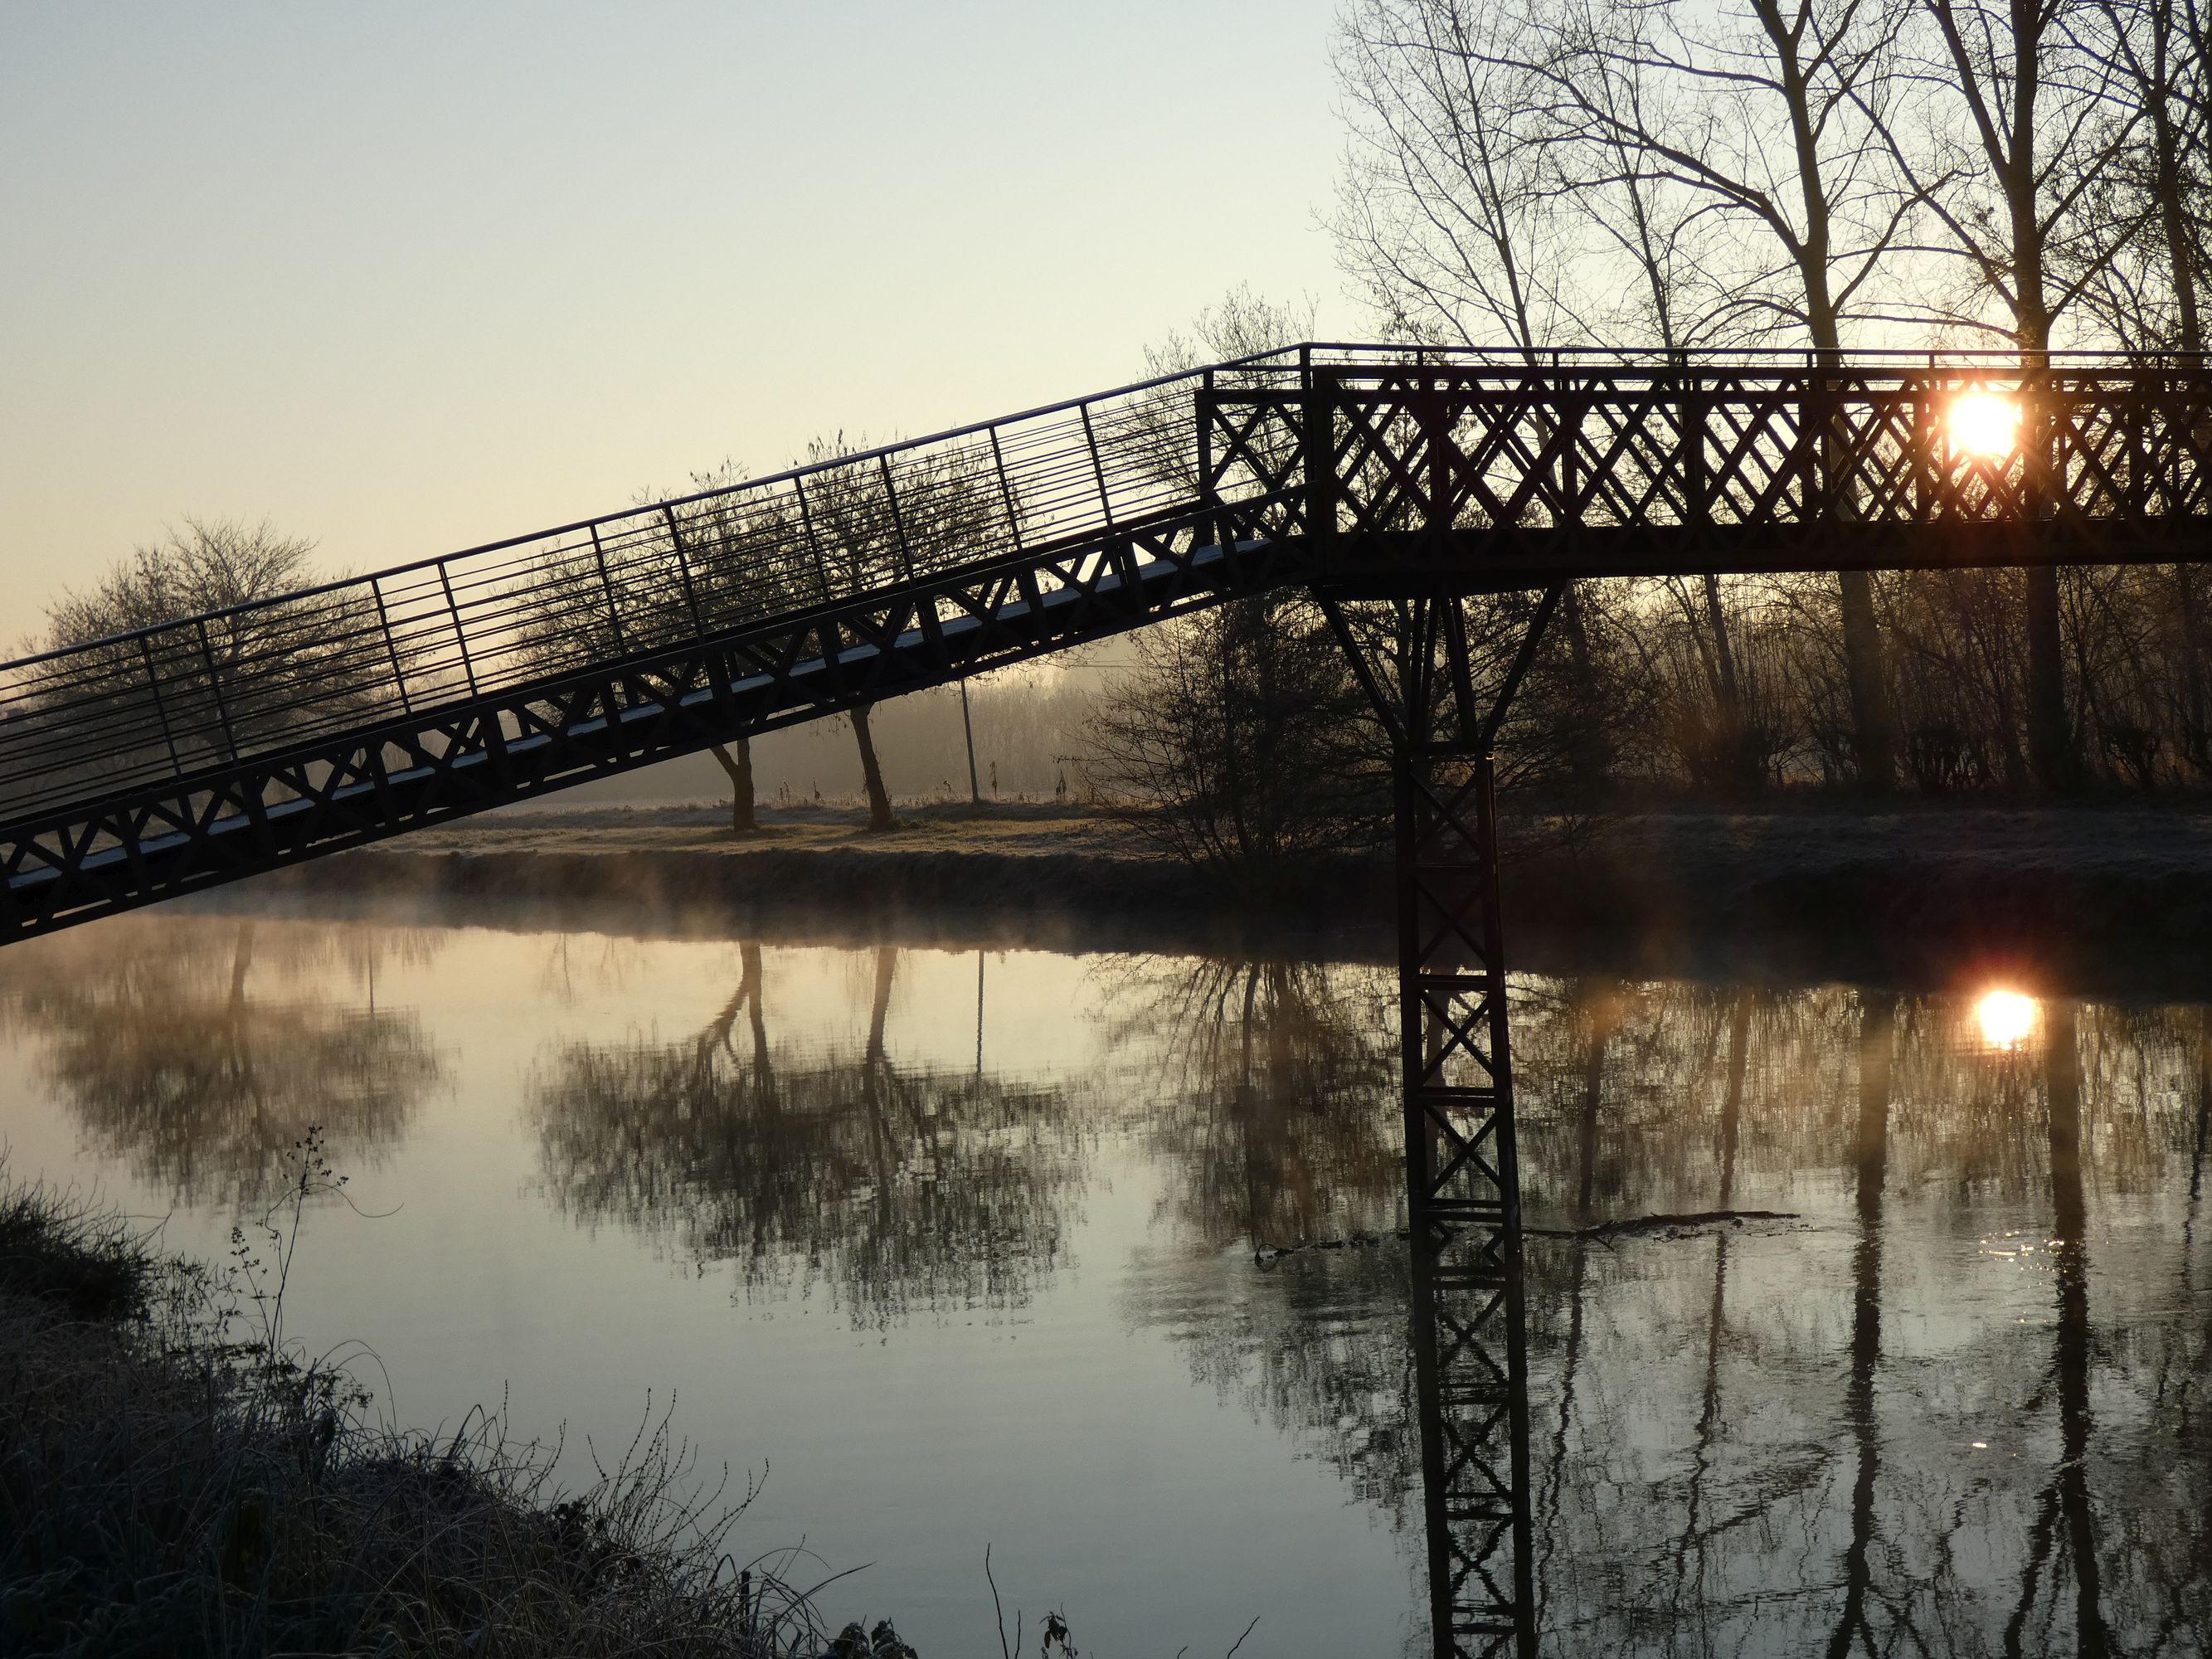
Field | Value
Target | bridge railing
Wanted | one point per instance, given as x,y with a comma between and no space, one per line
181,699
1428,437
1383,448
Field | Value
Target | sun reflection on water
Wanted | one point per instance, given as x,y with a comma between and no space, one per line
2005,1018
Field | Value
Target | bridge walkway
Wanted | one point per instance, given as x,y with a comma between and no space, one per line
205,749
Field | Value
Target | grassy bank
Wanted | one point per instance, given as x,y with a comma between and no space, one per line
176,1477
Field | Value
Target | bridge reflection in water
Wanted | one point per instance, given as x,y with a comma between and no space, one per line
1899,1420
1959,1404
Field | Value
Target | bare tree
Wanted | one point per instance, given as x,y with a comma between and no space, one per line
721,535
2006,168
1674,174
2149,214
209,565
1448,217
1240,739
268,657
1243,324
708,557
872,525
2017,101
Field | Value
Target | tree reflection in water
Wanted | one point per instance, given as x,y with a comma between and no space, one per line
1764,1440
898,1189
196,1052
1957,1409
1268,1095
1270,1102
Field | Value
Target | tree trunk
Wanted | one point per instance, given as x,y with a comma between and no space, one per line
1874,744
740,766
871,774
1738,764
2048,737
1588,752
2171,184
1874,738
2050,744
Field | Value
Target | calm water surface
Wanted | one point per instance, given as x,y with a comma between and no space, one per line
961,1248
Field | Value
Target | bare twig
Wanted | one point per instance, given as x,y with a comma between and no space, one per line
1652,1223
999,1611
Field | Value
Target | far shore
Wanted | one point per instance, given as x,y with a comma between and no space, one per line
2112,898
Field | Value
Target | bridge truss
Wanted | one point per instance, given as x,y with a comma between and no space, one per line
1391,483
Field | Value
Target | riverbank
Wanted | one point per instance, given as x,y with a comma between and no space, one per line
2106,898
168,1488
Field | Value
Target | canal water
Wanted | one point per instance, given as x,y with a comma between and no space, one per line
956,1251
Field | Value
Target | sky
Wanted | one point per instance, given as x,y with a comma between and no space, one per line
407,277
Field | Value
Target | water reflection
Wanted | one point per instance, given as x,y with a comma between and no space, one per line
1957,1407
1763,1438
1271,1103
1274,1111
2006,1018
196,1056
898,1187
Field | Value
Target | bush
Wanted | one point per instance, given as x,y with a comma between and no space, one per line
167,1490
1241,742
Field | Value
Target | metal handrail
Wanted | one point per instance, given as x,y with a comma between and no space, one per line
155,703
1505,358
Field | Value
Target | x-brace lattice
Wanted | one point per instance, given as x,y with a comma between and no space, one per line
1463,1181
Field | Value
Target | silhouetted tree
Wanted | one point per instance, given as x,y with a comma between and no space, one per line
875,526
1538,175
242,677
1240,739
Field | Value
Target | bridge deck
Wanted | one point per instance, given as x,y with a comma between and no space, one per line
204,750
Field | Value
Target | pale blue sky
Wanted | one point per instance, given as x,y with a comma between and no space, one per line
408,277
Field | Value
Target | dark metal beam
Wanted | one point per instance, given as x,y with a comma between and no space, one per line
309,800
454,684
1463,1172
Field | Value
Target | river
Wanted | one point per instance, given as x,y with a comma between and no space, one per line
955,1250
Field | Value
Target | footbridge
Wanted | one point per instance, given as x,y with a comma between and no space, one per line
1391,483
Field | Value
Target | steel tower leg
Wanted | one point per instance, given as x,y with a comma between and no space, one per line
1463,1193
1463,1176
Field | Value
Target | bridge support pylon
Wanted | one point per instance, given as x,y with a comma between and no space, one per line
1463,1192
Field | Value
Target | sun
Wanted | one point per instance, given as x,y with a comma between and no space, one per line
1985,423
2005,1018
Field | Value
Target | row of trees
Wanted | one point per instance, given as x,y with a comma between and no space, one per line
1821,173
1728,686
1242,735
726,560
282,663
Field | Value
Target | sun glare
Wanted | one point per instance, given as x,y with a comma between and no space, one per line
1985,423
2005,1018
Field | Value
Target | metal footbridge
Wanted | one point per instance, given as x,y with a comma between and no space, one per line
1391,483
215,746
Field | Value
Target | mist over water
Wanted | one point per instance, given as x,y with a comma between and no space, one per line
962,1247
